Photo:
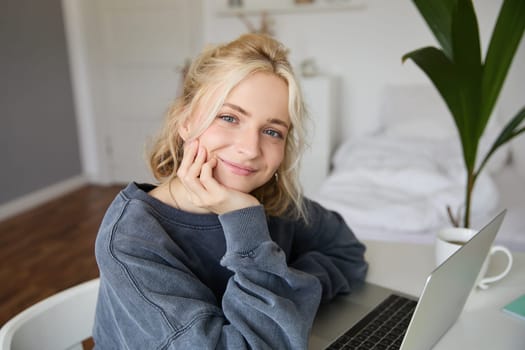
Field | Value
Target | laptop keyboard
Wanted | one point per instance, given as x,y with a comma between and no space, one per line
383,328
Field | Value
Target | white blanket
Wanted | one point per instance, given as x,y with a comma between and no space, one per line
384,185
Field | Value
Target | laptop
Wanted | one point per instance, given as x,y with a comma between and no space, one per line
374,317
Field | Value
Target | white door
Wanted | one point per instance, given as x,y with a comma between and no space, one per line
142,46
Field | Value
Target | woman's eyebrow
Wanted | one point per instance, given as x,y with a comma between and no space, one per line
246,113
279,122
237,108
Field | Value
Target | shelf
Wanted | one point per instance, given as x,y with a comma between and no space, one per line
253,7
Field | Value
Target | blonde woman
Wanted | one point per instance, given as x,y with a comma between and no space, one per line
224,252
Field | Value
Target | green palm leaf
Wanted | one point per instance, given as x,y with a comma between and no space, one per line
438,15
467,59
445,76
511,130
470,87
504,42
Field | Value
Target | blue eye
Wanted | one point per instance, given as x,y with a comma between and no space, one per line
273,133
228,118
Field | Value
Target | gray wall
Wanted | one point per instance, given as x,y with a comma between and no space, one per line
38,134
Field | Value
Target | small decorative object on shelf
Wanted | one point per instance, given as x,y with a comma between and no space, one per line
265,27
309,68
234,3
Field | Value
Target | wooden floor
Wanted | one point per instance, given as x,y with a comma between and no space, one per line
50,248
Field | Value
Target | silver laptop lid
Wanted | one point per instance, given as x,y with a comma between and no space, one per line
450,284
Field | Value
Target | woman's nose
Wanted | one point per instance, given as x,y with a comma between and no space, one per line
248,143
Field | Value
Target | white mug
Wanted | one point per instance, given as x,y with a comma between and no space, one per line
451,239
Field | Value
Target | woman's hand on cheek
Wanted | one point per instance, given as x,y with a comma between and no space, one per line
204,191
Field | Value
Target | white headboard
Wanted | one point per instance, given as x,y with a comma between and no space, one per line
415,109
418,111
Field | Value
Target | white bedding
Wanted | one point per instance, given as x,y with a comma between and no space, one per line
396,184
390,187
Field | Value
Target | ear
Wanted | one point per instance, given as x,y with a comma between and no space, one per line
184,130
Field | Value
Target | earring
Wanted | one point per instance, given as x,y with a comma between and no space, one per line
276,175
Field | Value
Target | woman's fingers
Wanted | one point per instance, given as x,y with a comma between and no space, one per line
206,176
188,172
192,176
204,190
196,174
190,151
220,199
194,170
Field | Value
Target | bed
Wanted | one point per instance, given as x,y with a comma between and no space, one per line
396,183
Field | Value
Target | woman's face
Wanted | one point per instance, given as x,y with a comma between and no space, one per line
248,136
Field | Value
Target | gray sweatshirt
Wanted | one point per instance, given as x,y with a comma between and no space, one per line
170,279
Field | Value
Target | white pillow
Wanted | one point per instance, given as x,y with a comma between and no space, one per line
418,112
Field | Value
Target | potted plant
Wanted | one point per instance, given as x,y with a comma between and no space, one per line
469,86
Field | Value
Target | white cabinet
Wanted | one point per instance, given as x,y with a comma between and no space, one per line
319,95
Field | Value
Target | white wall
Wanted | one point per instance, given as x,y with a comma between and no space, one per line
364,47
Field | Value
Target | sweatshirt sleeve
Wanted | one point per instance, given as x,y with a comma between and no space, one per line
265,300
266,304
327,248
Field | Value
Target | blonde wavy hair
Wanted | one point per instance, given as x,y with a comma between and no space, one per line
209,80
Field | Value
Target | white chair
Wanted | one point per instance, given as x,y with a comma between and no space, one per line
61,321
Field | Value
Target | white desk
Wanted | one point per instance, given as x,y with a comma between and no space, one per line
482,324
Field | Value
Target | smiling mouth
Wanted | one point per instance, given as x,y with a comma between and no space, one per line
237,168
